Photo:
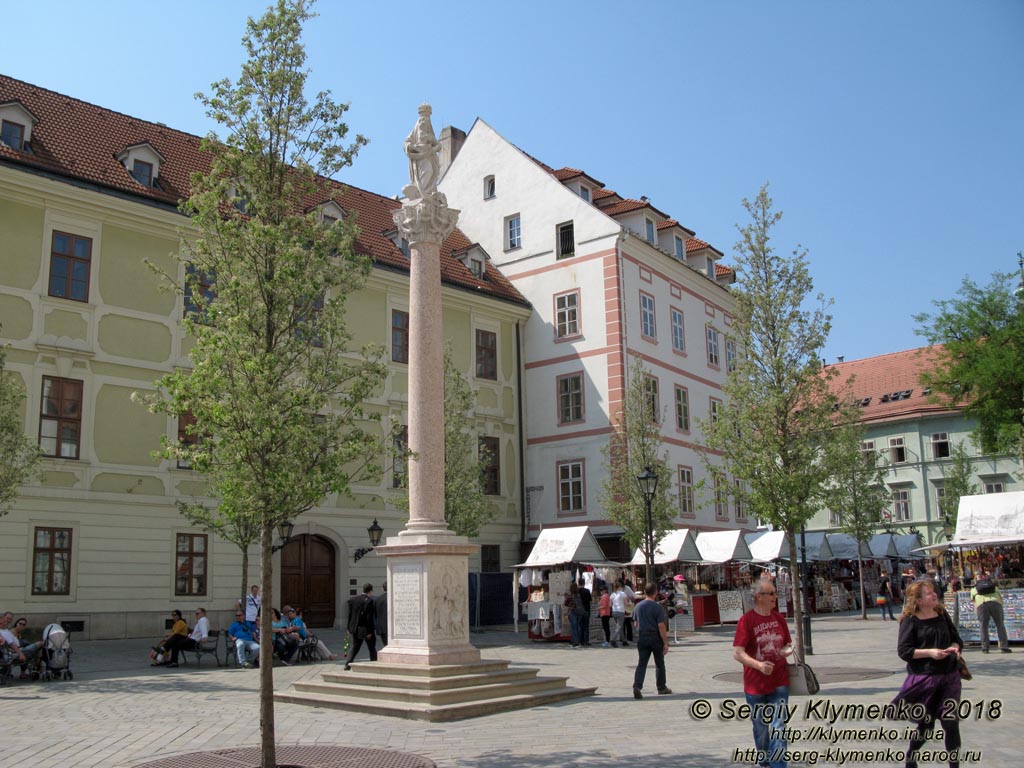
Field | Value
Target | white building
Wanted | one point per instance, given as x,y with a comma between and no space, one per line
609,278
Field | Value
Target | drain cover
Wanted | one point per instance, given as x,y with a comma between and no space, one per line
295,757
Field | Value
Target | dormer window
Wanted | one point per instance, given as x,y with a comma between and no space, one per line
649,223
16,125
710,267
680,249
330,213
585,193
475,260
142,172
142,162
476,266
13,135
489,187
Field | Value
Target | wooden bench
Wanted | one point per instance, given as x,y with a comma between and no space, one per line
206,648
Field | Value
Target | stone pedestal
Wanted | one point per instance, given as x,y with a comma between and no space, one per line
428,616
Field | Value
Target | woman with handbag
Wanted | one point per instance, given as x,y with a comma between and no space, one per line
884,598
931,646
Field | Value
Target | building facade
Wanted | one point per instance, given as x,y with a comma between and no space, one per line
611,280
914,437
88,212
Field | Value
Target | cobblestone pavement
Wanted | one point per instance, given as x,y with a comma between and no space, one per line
120,712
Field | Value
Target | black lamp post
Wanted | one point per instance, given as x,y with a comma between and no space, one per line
648,482
375,532
284,532
805,593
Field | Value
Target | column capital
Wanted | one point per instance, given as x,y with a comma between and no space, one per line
426,220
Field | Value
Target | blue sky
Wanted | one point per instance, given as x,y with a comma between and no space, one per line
891,132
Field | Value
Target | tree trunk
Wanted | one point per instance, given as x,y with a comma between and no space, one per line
798,594
268,751
863,591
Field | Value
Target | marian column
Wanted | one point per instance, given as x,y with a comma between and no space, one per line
427,565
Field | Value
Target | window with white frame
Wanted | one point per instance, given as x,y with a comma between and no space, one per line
867,453
570,487
648,325
680,248
715,408
834,519
994,486
940,499
567,315
513,232
686,505
711,267
730,355
649,224
900,504
489,187
12,134
653,400
940,445
682,408
570,398
897,451
721,496
712,346
737,500
678,330
585,193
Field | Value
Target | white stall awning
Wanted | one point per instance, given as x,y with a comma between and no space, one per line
766,546
675,546
845,547
722,546
556,546
990,518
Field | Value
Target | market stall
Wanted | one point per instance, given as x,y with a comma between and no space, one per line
675,547
773,546
989,532
724,550
547,574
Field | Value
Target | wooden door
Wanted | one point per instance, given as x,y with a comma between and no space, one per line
308,579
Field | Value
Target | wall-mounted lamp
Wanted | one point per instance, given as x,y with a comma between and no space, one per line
284,531
375,532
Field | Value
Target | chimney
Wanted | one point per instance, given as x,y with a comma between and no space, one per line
451,140
841,358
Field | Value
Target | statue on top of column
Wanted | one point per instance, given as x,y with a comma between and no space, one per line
422,148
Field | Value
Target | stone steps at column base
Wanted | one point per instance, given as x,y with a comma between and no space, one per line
435,712
378,678
473,691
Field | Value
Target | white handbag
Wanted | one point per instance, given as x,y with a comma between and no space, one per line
802,680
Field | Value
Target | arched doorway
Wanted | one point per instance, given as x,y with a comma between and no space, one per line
308,578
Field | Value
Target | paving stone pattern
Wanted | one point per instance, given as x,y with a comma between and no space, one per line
120,712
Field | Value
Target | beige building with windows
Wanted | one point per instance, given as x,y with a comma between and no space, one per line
88,209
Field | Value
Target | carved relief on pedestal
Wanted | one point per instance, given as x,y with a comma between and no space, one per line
448,611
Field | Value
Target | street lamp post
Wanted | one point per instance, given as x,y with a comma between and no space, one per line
648,482
805,593
375,532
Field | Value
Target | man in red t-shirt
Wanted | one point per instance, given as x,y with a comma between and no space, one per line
761,645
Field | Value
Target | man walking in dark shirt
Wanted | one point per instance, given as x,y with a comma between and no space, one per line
361,621
585,600
652,640
380,605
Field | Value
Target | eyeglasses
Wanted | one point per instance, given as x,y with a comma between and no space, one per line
770,594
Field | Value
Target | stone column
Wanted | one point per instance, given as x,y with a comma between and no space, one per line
427,565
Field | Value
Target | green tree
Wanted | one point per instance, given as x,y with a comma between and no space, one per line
275,389
634,446
19,456
466,510
858,494
775,432
957,481
978,339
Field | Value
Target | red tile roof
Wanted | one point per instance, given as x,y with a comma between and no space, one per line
77,140
670,223
721,271
888,385
694,244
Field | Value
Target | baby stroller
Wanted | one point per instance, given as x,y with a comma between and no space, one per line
7,662
56,654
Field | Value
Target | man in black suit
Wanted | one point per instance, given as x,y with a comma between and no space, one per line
362,619
380,605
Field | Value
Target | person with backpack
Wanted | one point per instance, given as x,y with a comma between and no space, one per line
988,604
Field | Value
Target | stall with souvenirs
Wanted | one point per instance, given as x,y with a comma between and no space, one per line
989,537
719,585
674,552
558,555
771,548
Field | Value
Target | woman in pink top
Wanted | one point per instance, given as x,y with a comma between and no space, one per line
604,610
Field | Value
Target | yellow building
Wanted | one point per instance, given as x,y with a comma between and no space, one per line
88,205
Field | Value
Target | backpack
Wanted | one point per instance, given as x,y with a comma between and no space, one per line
985,586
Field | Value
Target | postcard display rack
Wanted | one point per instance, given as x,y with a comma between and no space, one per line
959,604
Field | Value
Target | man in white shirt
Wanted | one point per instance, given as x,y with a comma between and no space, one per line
252,604
618,598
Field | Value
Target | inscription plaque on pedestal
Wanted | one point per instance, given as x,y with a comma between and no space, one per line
406,587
